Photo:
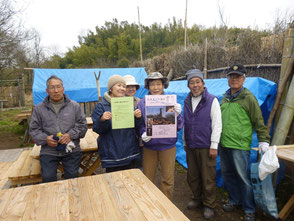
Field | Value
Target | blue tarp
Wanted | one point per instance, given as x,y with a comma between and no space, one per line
80,84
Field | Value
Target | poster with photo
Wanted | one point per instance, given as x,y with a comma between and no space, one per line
161,119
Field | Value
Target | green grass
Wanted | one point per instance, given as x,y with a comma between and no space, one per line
9,122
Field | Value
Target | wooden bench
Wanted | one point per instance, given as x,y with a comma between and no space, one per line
4,168
25,170
286,153
88,107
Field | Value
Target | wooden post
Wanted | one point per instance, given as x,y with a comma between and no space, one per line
286,117
287,51
185,40
205,59
98,86
141,53
286,69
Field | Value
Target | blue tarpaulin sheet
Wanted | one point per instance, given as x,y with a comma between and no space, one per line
80,85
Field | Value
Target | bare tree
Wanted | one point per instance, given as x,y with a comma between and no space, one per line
11,36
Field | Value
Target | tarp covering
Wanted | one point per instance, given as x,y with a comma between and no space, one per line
80,84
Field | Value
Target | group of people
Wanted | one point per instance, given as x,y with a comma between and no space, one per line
58,123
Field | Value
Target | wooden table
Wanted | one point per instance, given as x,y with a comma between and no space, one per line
90,159
286,153
123,195
27,170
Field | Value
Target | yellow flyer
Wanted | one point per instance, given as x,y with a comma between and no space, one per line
122,109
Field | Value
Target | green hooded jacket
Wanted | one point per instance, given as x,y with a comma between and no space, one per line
240,116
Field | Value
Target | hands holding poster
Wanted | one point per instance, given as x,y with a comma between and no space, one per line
122,109
161,119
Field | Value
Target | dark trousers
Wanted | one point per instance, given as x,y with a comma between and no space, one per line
70,163
236,175
132,165
201,176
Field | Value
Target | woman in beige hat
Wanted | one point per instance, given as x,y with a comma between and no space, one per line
116,152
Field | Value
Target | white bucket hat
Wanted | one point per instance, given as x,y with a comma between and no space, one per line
130,80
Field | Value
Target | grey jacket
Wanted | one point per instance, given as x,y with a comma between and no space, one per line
45,122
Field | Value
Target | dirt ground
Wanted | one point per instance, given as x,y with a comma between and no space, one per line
182,193
9,141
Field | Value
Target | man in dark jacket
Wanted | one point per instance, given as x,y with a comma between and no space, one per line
57,124
202,130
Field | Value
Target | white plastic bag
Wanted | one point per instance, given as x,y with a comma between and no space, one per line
269,163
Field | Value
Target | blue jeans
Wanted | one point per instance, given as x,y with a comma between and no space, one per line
70,163
236,175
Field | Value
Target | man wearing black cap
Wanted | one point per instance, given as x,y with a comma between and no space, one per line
202,130
240,115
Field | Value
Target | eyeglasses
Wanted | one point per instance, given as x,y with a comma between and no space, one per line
57,87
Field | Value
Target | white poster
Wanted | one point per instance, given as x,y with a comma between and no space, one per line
161,119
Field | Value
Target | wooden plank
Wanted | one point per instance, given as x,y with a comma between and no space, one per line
101,199
35,153
82,105
5,198
89,120
16,204
35,168
33,204
167,208
286,154
26,181
62,203
90,171
79,202
4,168
92,142
146,203
127,207
287,209
17,166
26,169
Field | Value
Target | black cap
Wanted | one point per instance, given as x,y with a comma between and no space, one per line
236,69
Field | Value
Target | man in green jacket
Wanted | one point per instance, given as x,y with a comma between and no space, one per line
241,114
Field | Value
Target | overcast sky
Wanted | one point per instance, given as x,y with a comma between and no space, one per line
60,22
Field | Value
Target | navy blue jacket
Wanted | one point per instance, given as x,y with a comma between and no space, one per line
116,147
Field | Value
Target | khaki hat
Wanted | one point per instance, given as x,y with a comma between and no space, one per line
130,80
156,76
115,79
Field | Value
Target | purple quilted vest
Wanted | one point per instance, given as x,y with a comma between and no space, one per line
197,124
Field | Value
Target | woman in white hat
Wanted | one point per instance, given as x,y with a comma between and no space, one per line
131,89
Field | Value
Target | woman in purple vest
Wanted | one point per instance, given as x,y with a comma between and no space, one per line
202,130
162,150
